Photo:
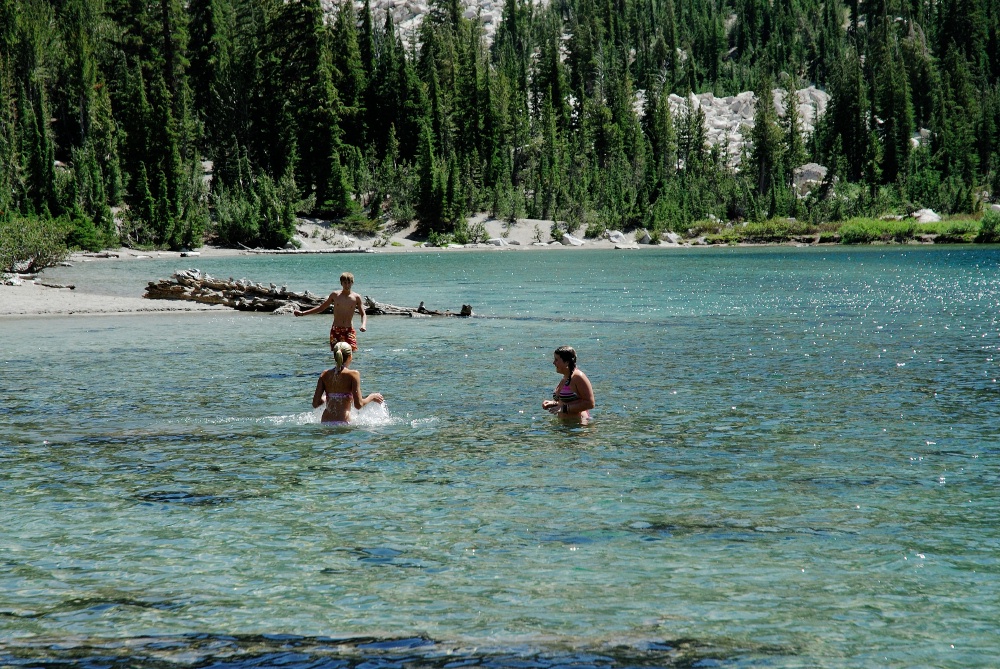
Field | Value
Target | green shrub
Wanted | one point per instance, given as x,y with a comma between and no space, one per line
82,233
989,228
435,238
704,227
957,232
31,244
725,236
359,224
773,230
595,229
868,230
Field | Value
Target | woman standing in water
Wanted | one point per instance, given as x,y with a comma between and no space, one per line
340,387
574,396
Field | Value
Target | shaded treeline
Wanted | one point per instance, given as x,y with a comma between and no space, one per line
115,105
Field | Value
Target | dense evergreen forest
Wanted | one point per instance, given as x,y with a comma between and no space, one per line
110,111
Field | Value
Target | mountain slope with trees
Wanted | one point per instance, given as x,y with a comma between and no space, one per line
110,109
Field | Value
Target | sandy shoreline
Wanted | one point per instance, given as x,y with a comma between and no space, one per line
31,299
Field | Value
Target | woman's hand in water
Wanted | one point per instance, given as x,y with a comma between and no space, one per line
376,397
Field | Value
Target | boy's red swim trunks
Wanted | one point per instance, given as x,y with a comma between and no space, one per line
343,334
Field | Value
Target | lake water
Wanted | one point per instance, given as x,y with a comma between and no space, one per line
793,463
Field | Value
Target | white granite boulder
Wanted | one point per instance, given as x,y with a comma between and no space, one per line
926,216
570,240
806,177
617,237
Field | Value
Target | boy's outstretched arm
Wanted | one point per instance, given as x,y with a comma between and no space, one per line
361,310
315,310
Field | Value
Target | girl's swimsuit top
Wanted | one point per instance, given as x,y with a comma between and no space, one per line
565,393
338,396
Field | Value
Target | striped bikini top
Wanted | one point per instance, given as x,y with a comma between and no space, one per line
564,392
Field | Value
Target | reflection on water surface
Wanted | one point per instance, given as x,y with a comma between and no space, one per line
793,462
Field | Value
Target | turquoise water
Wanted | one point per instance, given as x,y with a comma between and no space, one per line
793,463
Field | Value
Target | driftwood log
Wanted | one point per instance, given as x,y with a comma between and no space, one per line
244,295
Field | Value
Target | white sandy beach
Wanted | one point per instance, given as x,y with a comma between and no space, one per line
32,299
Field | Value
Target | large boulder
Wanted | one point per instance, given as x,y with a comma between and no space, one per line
926,216
570,240
617,237
808,176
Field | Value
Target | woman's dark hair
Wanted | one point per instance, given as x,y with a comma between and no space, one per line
568,356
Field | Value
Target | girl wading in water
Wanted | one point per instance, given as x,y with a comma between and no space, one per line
340,387
574,396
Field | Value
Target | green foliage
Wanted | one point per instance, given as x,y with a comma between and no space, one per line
704,227
868,230
989,228
435,238
82,233
30,243
115,103
256,210
358,224
961,231
774,230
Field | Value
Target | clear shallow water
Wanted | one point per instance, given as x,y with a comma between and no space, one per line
794,462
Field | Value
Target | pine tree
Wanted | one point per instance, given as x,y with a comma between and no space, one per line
430,192
39,152
315,104
212,55
658,124
847,116
791,127
350,78
955,118
12,186
893,111
767,143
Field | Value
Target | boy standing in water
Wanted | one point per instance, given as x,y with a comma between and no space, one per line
345,303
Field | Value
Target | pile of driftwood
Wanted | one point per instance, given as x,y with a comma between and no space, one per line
244,295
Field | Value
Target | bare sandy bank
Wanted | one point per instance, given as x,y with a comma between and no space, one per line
31,300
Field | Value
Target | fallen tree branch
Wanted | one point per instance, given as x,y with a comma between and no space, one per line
244,295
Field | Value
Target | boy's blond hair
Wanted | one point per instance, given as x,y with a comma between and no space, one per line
348,276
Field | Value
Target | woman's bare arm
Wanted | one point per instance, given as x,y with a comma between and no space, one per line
320,391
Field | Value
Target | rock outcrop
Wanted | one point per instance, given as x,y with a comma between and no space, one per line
244,295
726,119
